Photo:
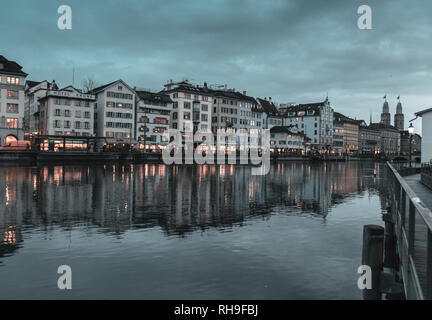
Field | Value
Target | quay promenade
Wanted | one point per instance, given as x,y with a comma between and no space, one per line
401,253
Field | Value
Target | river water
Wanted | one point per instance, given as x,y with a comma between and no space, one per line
148,231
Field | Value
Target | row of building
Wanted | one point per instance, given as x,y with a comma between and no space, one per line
121,114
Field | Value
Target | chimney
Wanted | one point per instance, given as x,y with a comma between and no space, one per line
269,98
205,84
244,92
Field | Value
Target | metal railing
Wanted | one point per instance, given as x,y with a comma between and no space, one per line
413,226
426,168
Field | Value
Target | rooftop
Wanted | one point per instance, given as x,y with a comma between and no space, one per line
11,67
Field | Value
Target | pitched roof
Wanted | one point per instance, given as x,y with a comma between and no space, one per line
268,107
420,113
381,126
339,117
154,97
11,67
285,129
31,84
100,88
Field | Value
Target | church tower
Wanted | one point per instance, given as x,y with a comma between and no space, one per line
399,121
385,115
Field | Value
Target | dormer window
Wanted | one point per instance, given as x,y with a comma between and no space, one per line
1,66
120,88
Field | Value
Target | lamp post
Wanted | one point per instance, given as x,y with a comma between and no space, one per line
410,132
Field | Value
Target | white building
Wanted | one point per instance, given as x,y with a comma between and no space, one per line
315,119
284,140
272,117
115,111
33,92
153,113
192,106
11,101
426,144
67,112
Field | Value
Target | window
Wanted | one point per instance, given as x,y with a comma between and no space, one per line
204,107
86,125
77,125
87,114
12,94
161,121
77,114
12,123
57,124
204,117
187,105
57,112
67,113
66,124
12,108
12,80
119,95
187,115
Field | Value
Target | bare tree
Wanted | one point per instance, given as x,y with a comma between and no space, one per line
88,84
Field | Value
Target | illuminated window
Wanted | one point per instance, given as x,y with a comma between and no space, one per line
12,123
12,80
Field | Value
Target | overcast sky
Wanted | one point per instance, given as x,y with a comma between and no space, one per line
293,51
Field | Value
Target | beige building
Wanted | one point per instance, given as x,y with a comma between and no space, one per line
346,134
11,101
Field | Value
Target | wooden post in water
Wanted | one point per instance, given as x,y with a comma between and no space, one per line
373,243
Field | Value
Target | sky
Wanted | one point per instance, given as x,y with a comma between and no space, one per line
290,50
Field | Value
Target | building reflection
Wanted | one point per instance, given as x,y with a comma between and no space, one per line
179,200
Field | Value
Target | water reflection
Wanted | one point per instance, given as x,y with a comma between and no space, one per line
179,200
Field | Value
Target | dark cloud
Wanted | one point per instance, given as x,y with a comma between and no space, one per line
290,50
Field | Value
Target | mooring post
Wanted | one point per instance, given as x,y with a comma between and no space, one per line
373,244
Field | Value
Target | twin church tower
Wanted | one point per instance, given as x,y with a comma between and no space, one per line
399,119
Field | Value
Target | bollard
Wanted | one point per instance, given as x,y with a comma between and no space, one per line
373,241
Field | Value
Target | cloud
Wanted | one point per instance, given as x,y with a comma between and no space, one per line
290,50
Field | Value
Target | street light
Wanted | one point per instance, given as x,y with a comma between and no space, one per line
410,132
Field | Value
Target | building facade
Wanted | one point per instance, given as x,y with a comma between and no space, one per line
11,101
33,92
369,140
316,120
410,144
389,138
284,140
345,134
153,118
426,143
272,116
115,112
192,106
67,112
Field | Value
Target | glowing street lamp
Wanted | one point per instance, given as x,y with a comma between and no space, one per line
411,132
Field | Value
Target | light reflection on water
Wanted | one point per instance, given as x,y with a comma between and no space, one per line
193,232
